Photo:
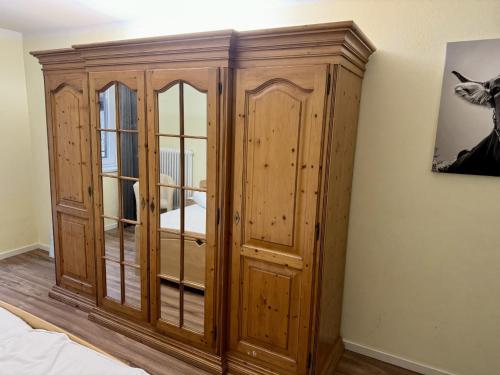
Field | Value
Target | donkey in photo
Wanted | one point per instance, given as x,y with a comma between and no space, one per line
484,158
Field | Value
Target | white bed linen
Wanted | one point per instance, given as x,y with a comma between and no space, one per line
194,220
28,351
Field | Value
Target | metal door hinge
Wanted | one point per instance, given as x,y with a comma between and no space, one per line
316,229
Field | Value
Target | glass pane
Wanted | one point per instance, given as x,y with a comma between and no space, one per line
170,218
168,111
129,154
132,243
169,160
112,239
110,196
130,196
195,213
133,287
194,309
169,281
195,111
128,108
107,112
113,280
195,173
108,152
169,308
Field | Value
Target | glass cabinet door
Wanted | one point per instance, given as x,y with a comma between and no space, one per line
182,135
121,217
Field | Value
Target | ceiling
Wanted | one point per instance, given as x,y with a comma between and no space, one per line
32,16
43,15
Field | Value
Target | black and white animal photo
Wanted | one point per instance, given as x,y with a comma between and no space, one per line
468,134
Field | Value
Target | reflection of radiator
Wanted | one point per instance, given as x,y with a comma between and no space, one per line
170,162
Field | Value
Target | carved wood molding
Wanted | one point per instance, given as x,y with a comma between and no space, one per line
314,43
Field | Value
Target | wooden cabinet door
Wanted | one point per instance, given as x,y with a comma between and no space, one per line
278,131
70,172
117,109
183,131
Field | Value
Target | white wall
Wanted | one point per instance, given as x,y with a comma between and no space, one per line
17,224
422,277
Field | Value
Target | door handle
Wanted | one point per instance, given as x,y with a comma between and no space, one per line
152,206
237,217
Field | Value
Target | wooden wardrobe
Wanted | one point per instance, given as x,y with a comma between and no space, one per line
200,190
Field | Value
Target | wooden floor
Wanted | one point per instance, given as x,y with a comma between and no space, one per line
25,281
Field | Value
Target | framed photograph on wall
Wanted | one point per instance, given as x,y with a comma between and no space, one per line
468,133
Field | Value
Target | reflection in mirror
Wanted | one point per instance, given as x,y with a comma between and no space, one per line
169,297
194,309
112,239
197,151
195,111
129,154
168,111
169,163
109,162
129,205
128,108
131,243
195,214
132,286
109,197
170,218
107,112
113,280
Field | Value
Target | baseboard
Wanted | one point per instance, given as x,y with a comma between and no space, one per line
43,246
20,250
393,359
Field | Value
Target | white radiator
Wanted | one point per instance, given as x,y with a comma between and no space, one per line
170,165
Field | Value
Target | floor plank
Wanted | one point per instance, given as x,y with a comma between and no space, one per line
26,279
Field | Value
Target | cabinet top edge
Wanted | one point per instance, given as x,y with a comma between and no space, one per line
334,34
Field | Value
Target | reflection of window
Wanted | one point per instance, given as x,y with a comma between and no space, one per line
108,139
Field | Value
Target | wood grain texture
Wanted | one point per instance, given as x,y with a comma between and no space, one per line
26,279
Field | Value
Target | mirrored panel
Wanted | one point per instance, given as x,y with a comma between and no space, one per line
110,194
130,200
132,286
170,214
129,154
107,108
195,111
109,161
195,214
112,272
132,243
112,239
169,297
195,171
128,108
169,111
169,174
194,309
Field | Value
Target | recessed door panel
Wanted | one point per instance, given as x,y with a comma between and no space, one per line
69,157
75,252
278,132
69,140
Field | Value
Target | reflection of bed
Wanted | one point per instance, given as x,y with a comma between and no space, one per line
30,345
194,245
